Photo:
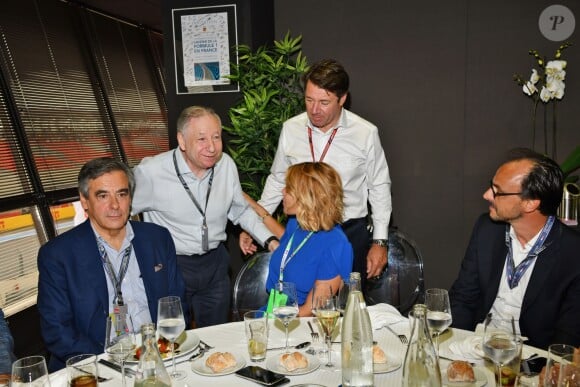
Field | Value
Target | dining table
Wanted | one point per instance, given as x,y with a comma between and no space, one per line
231,337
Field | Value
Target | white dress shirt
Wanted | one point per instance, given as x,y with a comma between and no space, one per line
132,286
162,199
508,302
357,155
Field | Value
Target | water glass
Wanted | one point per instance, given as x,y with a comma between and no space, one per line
555,354
30,371
82,371
256,322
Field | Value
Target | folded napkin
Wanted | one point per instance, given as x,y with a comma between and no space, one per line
384,314
469,349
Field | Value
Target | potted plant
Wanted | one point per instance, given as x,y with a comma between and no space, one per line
270,81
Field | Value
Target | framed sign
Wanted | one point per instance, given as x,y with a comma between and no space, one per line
204,40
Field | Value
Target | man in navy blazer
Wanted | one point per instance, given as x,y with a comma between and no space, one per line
522,262
76,292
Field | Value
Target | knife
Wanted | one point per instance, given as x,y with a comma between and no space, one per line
117,367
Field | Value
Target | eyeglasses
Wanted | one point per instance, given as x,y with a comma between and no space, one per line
495,194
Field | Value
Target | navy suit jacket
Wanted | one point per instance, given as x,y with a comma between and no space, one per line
550,310
72,288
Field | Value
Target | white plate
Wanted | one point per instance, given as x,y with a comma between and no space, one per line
273,365
480,379
389,366
198,366
188,341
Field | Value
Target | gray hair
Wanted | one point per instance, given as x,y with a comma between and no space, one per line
194,112
97,167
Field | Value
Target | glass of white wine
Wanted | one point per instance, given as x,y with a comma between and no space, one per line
285,305
438,312
500,343
120,339
324,307
170,324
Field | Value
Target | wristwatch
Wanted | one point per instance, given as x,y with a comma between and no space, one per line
267,243
381,242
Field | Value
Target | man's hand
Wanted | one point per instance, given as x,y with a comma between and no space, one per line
247,244
376,260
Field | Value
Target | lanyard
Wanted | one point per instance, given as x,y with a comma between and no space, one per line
514,274
115,280
325,148
204,230
286,258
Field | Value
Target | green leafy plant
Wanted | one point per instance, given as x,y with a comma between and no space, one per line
571,164
270,81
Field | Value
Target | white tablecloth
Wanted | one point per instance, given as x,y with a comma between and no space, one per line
231,337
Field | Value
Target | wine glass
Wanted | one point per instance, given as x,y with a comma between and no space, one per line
342,296
438,312
500,343
170,324
30,371
324,308
285,304
120,339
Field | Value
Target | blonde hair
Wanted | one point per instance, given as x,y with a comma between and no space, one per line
317,189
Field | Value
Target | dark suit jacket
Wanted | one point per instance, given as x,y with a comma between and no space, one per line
551,306
72,288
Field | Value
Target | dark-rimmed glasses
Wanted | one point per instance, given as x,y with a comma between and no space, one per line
495,194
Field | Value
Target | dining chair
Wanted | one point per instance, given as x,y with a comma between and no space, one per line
249,291
402,285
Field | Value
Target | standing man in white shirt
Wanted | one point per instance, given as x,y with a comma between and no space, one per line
193,190
330,133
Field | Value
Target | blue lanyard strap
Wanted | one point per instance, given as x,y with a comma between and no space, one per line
286,256
513,273
116,281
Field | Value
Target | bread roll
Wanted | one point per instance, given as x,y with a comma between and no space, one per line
460,371
293,361
379,356
220,361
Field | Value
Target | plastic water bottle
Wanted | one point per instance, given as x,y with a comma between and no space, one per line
357,339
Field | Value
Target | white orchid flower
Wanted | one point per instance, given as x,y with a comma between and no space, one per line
530,86
556,88
545,94
555,70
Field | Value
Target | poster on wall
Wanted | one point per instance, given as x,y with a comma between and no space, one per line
204,40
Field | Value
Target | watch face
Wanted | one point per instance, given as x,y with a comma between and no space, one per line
380,242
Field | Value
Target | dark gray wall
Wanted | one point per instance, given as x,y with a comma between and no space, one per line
436,78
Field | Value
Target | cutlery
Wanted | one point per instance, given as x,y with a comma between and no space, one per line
402,338
116,367
450,359
313,334
299,346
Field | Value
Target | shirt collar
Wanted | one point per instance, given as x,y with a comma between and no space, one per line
184,168
340,124
529,244
129,235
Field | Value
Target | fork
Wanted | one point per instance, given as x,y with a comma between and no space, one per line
206,345
403,338
313,334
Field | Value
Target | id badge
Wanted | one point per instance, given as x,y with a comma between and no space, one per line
120,312
204,238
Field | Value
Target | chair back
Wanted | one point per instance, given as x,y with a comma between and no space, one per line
249,290
402,285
